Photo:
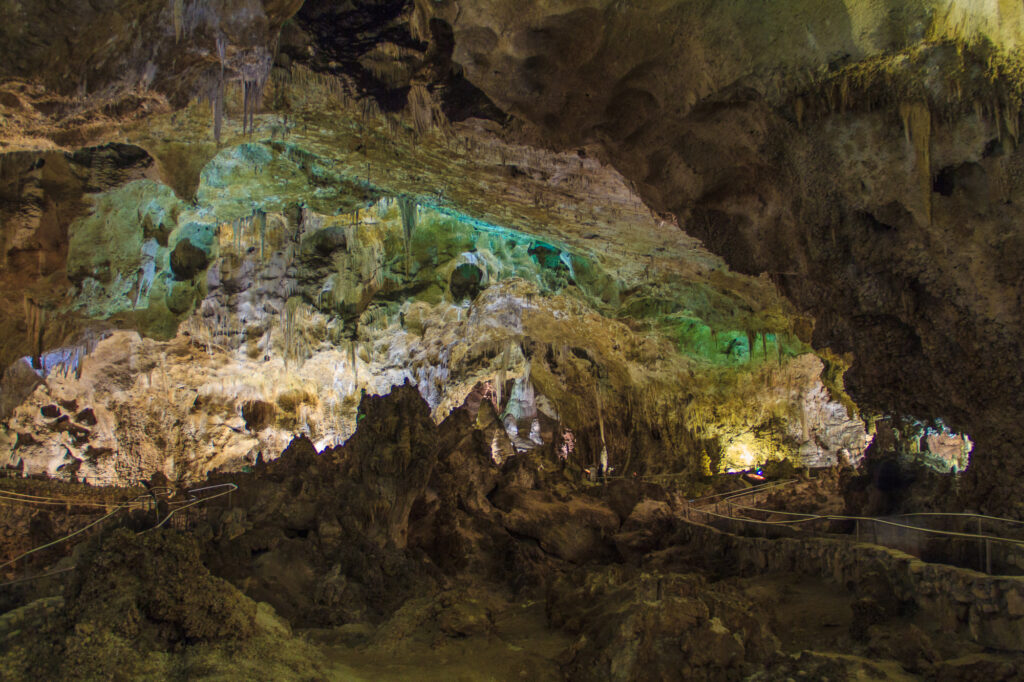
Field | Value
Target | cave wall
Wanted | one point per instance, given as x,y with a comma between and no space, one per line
862,155
837,150
287,288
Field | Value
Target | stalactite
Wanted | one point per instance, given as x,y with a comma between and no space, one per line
352,360
177,11
222,45
35,319
407,207
147,274
1011,115
254,78
246,106
260,217
425,111
600,426
217,102
917,127
216,93
296,319
501,376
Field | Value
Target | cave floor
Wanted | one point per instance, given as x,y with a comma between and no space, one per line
806,613
520,646
489,634
811,616
538,617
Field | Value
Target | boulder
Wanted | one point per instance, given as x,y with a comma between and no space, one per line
645,529
576,529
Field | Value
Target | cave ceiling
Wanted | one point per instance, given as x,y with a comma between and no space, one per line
843,174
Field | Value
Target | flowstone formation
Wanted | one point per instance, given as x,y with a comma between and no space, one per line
328,249
289,287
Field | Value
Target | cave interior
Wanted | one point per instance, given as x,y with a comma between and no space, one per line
511,339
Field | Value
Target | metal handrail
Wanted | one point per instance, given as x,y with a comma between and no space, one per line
971,515
62,539
226,489
968,515
26,579
872,519
58,502
729,494
230,488
806,518
756,490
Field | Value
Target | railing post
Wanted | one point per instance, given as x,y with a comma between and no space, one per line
856,525
981,550
988,556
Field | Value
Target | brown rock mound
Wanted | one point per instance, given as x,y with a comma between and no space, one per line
152,588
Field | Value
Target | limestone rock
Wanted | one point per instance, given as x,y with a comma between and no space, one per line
576,529
910,646
886,169
645,529
391,456
640,626
187,260
979,667
154,587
